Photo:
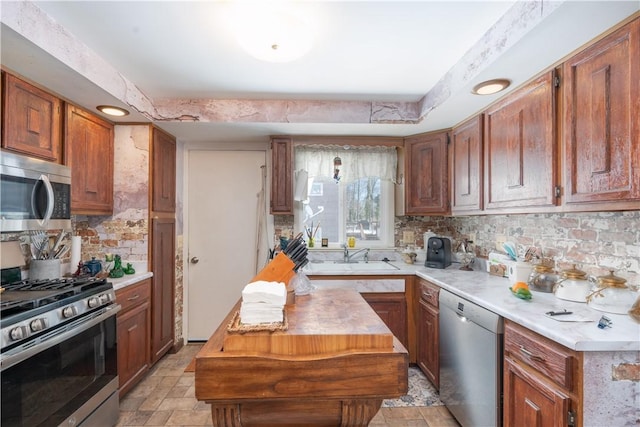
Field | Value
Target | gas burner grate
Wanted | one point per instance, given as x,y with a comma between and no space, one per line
80,284
27,295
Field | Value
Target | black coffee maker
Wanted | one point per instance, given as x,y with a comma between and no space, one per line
438,252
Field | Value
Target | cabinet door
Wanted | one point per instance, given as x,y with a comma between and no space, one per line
89,154
426,186
601,125
392,309
530,401
133,346
520,148
466,167
428,355
31,120
281,176
162,292
163,172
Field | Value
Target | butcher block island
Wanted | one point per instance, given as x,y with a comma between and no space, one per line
332,366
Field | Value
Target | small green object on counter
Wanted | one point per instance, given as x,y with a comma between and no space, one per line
521,293
117,271
129,269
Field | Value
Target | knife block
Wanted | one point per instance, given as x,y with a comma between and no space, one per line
280,269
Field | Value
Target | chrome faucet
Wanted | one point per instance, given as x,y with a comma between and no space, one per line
347,257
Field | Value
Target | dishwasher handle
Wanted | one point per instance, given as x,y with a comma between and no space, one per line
531,355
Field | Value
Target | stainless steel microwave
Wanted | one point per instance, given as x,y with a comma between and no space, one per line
34,194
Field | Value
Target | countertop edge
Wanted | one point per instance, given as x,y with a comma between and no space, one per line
129,280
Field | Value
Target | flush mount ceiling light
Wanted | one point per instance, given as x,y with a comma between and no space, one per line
112,111
491,86
271,33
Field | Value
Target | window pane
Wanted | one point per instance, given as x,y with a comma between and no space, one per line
360,214
323,207
362,203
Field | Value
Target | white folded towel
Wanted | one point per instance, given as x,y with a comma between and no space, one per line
254,313
263,302
265,292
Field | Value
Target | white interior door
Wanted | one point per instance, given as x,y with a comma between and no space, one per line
223,196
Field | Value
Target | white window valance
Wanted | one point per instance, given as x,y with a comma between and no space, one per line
357,161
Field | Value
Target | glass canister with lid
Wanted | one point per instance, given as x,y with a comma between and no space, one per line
611,294
573,285
542,278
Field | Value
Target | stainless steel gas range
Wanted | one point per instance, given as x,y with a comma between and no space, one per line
58,358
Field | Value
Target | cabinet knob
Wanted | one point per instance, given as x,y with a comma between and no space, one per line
195,260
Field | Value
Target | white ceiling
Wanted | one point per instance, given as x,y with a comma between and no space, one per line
411,52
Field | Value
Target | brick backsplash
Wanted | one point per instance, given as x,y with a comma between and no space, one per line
128,238
595,241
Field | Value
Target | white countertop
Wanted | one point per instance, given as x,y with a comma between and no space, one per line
129,279
493,293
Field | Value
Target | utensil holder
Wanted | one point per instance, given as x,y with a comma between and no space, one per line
280,269
44,269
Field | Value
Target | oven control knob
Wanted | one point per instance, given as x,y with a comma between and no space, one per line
18,333
38,325
93,302
104,298
69,311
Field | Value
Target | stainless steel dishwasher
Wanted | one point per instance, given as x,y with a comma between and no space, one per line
470,361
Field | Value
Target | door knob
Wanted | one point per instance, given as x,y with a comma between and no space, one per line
195,260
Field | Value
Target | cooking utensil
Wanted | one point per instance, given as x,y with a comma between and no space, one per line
529,254
57,243
510,249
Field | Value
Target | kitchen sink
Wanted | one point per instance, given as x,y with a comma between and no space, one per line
338,266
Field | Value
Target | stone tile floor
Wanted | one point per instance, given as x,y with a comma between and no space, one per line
166,397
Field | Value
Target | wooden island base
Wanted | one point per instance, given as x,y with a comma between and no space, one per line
333,366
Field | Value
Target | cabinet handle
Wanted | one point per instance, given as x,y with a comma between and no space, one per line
427,295
531,355
133,298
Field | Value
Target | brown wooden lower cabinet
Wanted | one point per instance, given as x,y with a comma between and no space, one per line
428,347
530,401
134,333
541,381
392,309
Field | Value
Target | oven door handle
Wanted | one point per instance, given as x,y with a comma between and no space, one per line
7,361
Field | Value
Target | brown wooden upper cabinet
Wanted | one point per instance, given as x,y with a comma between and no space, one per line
31,120
163,172
520,148
426,185
281,176
466,166
89,154
601,123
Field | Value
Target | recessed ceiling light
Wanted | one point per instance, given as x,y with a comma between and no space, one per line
112,111
491,86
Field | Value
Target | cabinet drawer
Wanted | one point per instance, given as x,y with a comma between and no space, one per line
429,293
545,356
134,295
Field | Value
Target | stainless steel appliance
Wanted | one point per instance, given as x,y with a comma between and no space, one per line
58,360
36,195
470,361
438,252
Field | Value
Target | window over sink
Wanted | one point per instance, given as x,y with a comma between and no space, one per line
345,191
